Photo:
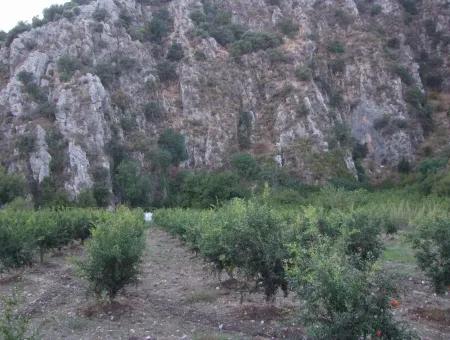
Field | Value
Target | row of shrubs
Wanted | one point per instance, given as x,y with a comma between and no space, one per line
113,253
327,257
26,233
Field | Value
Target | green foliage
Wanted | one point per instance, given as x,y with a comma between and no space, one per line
67,66
246,236
361,239
288,27
20,28
175,52
31,87
393,43
131,185
16,245
336,47
3,36
410,6
337,65
342,302
303,73
432,245
11,186
432,165
24,232
254,41
404,166
375,10
50,194
114,253
174,143
343,18
216,22
167,71
245,165
109,71
47,110
203,189
381,123
100,190
26,144
342,133
404,74
86,199
13,325
57,145
153,111
159,27
100,14
244,131
419,106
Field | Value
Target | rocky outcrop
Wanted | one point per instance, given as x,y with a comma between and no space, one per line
343,79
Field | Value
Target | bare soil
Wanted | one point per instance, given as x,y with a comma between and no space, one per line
178,297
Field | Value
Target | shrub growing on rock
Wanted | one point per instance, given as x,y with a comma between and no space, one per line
167,71
67,66
254,41
175,52
159,27
175,144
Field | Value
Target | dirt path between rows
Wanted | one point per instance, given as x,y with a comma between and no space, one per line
178,298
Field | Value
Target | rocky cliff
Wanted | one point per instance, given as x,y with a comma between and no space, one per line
324,88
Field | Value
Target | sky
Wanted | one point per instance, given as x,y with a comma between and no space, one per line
13,11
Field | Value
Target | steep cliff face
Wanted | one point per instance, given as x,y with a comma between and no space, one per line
326,79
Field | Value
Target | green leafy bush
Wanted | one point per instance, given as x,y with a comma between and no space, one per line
20,28
159,27
404,74
245,165
67,66
100,14
404,166
131,185
16,243
254,41
245,125
342,302
288,27
114,253
247,237
11,186
31,87
174,143
216,22
336,46
361,237
175,52
207,189
303,73
410,6
167,71
153,111
432,245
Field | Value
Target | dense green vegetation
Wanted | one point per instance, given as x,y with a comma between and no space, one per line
114,253
327,247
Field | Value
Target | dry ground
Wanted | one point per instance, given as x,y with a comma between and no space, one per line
178,298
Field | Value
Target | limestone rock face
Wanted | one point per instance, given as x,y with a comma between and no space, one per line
345,78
